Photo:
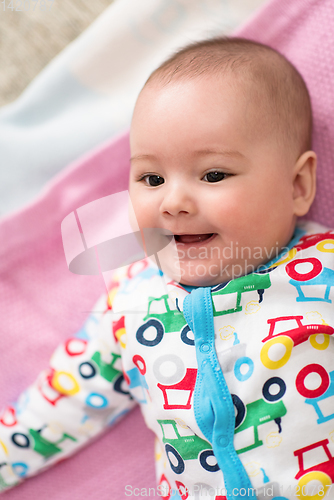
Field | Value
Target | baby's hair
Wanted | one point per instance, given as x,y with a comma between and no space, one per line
273,80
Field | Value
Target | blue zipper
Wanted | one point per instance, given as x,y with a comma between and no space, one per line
213,405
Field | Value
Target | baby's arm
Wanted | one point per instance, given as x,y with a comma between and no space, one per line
73,401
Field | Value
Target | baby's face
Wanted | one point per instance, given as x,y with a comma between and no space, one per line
205,168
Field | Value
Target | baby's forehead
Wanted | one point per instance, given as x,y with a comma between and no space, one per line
243,83
239,92
273,90
197,119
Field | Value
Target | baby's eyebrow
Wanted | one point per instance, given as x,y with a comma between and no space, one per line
201,152
222,152
142,157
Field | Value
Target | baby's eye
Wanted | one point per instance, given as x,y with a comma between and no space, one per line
214,176
153,180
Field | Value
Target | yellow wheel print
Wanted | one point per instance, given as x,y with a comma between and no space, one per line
271,364
71,381
158,451
320,346
287,257
111,295
4,447
313,493
321,246
119,334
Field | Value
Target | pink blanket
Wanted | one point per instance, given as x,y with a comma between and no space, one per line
42,302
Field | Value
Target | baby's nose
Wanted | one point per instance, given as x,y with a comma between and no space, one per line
178,200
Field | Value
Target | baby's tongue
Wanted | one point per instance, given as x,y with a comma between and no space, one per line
192,238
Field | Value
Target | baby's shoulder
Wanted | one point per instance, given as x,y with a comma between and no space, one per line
140,270
312,234
132,283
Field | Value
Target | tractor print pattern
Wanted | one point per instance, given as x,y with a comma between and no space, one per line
273,339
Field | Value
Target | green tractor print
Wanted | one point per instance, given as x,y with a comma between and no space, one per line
39,444
107,370
260,412
249,283
188,447
164,319
8,478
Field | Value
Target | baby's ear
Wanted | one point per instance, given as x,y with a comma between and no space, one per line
304,182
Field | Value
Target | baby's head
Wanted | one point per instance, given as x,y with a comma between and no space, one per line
221,156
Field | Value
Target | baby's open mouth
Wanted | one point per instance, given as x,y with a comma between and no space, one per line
193,238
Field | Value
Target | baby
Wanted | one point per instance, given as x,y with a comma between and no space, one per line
224,129
230,363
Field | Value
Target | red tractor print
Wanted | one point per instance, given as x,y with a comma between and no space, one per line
290,338
323,472
313,239
300,333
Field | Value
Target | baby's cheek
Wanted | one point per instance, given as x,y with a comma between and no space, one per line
233,211
133,217
143,213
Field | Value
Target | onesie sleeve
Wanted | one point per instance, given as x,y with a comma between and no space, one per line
80,395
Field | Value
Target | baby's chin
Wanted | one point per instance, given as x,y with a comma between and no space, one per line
188,279
197,281
201,275
204,280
